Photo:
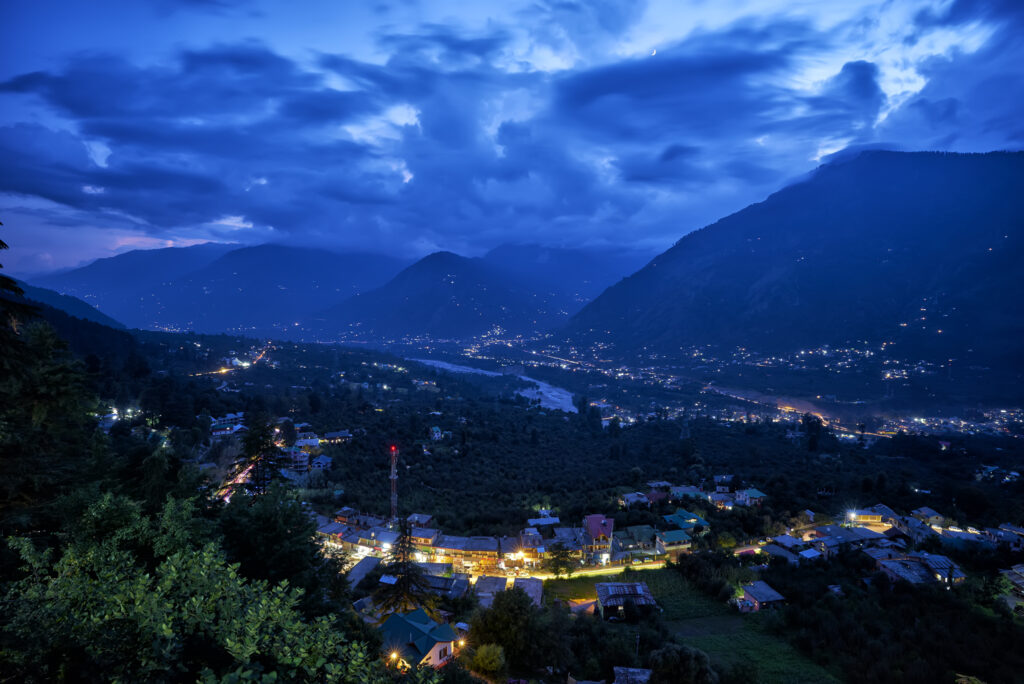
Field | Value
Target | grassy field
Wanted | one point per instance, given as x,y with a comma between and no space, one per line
726,636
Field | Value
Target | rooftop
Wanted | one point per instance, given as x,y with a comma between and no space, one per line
618,593
598,526
413,635
763,593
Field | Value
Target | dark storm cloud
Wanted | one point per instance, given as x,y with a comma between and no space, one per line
711,97
229,131
455,141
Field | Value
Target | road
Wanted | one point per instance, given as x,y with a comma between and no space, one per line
227,369
599,571
228,489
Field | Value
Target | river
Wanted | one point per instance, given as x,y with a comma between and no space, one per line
550,397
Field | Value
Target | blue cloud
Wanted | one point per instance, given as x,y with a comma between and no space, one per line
446,137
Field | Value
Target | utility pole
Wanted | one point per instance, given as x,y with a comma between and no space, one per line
394,484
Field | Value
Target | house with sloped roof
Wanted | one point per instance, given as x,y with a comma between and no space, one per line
686,521
533,587
929,516
917,567
420,519
687,492
631,499
447,587
776,551
787,541
672,542
750,497
1015,575
722,500
656,495
488,587
336,437
598,532
413,639
758,595
612,597
636,538
631,675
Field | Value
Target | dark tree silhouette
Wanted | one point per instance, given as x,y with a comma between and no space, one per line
410,589
259,448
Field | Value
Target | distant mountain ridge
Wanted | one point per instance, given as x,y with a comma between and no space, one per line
922,250
514,289
578,275
442,295
72,306
299,292
114,284
267,288
222,288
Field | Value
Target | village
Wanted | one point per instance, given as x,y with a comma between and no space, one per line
592,547
679,521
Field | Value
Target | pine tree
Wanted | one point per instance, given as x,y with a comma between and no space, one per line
410,590
260,450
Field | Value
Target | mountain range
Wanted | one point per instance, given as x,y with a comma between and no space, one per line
262,289
921,251
298,292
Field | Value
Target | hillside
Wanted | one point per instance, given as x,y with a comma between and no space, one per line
115,284
217,288
443,295
70,305
921,250
265,288
575,275
514,289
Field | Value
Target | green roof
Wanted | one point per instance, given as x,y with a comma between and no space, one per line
413,635
685,520
674,537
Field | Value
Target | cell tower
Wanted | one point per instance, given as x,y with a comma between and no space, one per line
394,484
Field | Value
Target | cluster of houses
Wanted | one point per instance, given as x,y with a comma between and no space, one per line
724,495
880,533
1015,576
415,639
228,425
301,460
594,541
231,424
364,535
886,536
996,474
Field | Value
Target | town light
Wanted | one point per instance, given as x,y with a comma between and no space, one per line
852,515
394,655
462,642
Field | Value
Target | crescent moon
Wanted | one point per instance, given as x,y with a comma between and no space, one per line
653,52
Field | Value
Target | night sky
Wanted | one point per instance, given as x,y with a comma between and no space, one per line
408,127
